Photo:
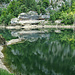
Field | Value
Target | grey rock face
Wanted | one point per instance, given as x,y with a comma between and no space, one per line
31,15
14,20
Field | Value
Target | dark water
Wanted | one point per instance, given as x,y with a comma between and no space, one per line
50,54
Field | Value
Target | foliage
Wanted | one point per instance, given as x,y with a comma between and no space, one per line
6,1
42,9
73,5
45,3
68,18
14,8
6,18
27,56
55,15
6,34
4,72
23,8
66,13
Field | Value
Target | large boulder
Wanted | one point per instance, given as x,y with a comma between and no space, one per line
23,16
14,20
31,15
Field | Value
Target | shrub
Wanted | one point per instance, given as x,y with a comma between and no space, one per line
69,19
23,8
45,3
6,19
42,9
14,8
52,17
63,15
55,16
38,9
6,1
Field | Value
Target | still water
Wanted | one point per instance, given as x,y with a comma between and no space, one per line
49,53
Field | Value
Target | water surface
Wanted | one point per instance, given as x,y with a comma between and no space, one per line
42,54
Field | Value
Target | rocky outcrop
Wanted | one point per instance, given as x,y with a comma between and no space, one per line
31,17
14,20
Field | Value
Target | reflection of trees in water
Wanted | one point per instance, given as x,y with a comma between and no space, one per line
74,30
6,34
43,57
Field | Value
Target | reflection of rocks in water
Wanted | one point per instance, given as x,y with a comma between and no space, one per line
30,35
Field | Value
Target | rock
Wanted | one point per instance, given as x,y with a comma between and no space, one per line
1,54
23,16
14,20
13,41
23,22
58,31
58,21
47,16
31,15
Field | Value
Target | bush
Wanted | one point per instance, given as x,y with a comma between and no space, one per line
45,3
55,16
6,1
6,19
23,8
38,9
14,8
42,9
63,15
69,19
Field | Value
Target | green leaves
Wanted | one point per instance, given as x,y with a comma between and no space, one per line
4,72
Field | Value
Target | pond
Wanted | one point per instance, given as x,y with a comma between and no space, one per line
48,53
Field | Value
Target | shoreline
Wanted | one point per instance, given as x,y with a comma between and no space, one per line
13,41
36,26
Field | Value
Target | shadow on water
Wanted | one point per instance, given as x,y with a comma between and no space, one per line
49,54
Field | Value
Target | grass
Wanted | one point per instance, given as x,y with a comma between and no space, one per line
4,72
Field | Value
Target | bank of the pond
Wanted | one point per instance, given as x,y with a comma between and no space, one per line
37,26
13,41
